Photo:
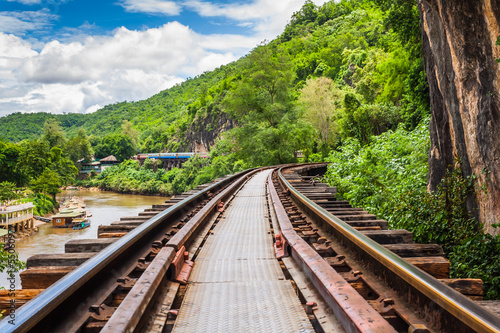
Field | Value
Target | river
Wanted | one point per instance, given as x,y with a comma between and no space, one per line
106,207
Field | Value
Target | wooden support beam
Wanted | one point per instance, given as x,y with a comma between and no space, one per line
113,229
416,250
439,267
389,236
42,277
20,297
473,288
59,259
87,245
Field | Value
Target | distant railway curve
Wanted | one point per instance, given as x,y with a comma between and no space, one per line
170,155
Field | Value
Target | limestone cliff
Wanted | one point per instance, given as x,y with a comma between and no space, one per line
459,44
205,130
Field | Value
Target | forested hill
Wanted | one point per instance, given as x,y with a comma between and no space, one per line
158,111
376,76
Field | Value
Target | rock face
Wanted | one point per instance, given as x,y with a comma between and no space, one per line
205,130
464,79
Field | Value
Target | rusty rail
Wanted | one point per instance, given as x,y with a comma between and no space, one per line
355,314
460,307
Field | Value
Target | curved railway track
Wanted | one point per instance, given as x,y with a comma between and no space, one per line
133,278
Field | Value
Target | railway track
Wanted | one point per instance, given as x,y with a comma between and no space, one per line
349,272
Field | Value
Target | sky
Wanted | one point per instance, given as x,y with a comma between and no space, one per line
76,56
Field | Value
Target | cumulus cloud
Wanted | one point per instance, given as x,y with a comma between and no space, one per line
266,17
83,76
172,48
80,71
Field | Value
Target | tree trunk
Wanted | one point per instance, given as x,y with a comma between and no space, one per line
459,44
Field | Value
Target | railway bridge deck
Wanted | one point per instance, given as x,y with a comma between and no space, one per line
237,284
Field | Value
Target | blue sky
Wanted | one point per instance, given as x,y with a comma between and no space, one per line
65,56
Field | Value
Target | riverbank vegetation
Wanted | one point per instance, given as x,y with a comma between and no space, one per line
34,169
339,84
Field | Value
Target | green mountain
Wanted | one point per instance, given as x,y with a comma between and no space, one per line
377,75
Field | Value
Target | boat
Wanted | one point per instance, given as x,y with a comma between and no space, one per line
71,217
41,218
75,203
80,223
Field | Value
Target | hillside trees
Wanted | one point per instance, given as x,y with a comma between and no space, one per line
8,191
119,145
9,169
53,134
318,98
261,102
48,182
79,147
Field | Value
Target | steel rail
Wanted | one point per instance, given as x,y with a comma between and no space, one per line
130,312
459,306
38,308
351,309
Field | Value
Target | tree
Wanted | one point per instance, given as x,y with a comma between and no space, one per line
261,103
119,145
318,99
53,134
33,158
8,191
48,182
9,168
79,147
63,166
129,130
263,94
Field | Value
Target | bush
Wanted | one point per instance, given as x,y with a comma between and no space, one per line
479,257
43,204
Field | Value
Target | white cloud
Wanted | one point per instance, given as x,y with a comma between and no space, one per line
129,65
169,8
20,22
27,2
81,73
267,18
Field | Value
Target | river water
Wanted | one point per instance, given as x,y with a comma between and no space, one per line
106,207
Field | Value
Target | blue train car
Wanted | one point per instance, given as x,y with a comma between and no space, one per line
185,155
168,155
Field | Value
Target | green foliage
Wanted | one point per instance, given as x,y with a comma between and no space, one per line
479,257
318,98
79,147
130,177
9,168
119,145
388,177
34,157
43,204
439,217
391,164
48,182
8,191
9,260
52,134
